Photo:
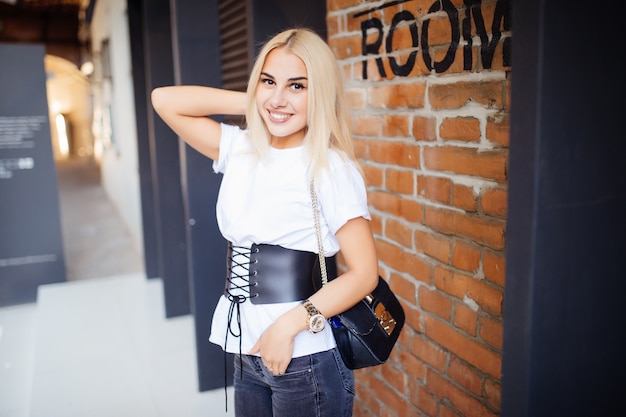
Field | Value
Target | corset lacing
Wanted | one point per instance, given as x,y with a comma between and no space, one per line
237,291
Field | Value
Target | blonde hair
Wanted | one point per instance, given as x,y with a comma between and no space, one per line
328,118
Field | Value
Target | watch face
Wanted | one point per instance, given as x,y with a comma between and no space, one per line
317,323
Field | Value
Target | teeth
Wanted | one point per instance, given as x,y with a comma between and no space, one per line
280,117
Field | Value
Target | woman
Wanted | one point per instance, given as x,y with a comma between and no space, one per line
286,361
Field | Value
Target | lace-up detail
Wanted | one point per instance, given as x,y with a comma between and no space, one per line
238,274
237,291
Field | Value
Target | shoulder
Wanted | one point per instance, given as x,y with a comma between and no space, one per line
233,141
340,164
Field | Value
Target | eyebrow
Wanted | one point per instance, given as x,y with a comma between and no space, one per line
289,79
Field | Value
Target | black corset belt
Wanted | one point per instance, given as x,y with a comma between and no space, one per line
277,274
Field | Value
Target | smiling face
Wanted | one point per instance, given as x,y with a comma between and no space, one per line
281,98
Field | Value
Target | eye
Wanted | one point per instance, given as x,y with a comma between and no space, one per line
267,81
298,86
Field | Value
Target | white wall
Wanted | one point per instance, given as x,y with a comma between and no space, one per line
114,114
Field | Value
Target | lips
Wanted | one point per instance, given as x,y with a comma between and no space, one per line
278,117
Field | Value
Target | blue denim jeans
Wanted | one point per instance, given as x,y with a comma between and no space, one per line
317,385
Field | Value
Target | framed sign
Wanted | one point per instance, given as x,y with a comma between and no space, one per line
31,243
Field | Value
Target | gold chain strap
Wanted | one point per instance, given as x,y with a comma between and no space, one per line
318,232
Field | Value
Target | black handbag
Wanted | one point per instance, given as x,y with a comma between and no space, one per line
367,332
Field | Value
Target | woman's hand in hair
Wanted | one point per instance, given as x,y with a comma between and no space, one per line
185,110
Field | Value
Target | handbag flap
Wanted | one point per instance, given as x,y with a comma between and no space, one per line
361,319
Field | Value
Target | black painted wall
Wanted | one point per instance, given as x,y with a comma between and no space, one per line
196,61
142,107
165,163
563,316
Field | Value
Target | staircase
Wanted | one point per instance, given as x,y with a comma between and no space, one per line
103,348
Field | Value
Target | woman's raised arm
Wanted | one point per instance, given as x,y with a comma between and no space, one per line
185,110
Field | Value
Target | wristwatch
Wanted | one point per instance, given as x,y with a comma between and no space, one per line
316,321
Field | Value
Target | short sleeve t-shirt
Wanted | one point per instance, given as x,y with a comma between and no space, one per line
268,201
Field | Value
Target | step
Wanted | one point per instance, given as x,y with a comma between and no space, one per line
104,348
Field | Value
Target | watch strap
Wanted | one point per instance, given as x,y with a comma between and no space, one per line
310,308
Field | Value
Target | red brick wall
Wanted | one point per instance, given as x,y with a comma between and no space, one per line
432,133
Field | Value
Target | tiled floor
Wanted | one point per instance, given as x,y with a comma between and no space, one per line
99,345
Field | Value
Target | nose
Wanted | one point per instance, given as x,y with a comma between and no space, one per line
278,98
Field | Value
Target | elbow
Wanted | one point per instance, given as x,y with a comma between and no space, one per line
156,97
372,281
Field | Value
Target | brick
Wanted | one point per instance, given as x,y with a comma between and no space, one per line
463,197
402,182
413,367
465,376
491,331
465,129
432,245
459,285
395,206
498,64
498,130
467,161
399,233
439,31
368,403
454,96
395,125
482,230
372,70
366,125
353,25
424,128
399,153
346,46
493,393
425,401
494,267
494,202
334,5
373,176
394,96
465,319
356,98
361,149
332,25
446,411
458,63
435,302
413,318
411,210
376,225
401,38
466,404
394,378
434,188
465,256
389,398
431,354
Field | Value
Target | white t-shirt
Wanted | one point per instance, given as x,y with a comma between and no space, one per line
269,202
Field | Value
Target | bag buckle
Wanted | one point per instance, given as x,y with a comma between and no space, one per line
386,320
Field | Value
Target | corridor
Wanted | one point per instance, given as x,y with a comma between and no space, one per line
99,345
96,242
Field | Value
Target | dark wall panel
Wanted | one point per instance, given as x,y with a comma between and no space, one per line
196,61
165,163
142,107
31,244
567,199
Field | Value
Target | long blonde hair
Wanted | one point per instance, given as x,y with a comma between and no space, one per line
328,118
